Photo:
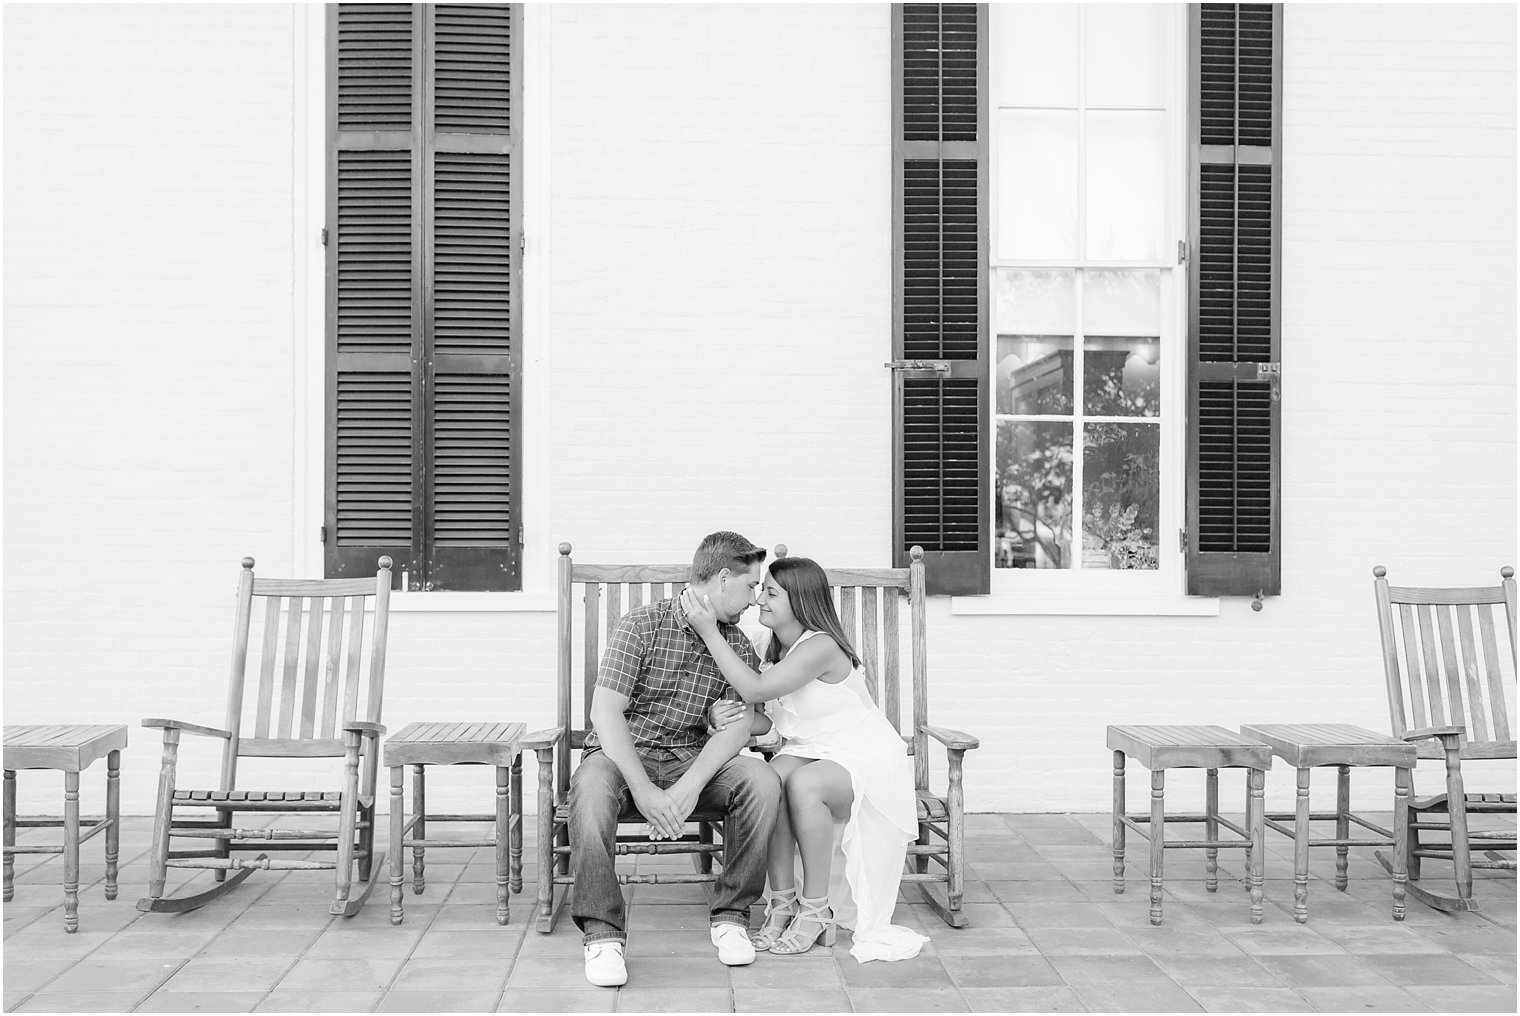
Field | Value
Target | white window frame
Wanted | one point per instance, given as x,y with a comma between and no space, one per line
309,184
1095,590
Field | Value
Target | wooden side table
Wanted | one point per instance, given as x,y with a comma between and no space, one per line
71,748
447,744
1211,748
1307,745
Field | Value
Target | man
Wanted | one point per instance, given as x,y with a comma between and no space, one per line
649,745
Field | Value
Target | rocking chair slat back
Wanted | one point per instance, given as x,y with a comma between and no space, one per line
317,665
1444,665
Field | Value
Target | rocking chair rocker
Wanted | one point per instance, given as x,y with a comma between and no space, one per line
310,707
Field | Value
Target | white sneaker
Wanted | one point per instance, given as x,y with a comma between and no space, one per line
734,947
604,964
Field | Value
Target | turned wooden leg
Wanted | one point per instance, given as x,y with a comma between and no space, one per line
1342,826
1119,806
1211,829
163,817
547,862
1456,806
503,843
10,834
1301,849
71,852
113,816
955,832
517,823
348,815
1158,839
1403,791
1256,825
419,830
398,826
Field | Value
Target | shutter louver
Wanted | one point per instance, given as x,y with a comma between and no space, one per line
940,293
1234,383
423,283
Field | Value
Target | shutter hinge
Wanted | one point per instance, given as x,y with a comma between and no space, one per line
1182,539
323,530
1181,251
324,236
522,243
520,538
937,366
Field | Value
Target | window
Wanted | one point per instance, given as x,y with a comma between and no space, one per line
423,361
1087,166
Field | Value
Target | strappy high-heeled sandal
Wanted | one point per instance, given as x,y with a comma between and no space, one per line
779,911
813,925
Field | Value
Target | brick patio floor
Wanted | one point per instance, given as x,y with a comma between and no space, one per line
1047,934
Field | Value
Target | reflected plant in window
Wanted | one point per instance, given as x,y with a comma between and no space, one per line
1034,494
1121,493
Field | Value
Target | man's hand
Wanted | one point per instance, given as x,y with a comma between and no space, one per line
723,712
662,809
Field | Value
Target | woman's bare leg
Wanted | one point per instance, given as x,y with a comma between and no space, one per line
781,865
817,795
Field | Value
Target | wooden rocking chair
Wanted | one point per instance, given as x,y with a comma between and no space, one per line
314,698
1448,693
869,602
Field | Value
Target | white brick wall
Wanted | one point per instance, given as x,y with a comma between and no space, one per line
716,301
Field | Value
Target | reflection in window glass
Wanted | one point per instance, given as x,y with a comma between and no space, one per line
1116,302
1121,376
1121,495
1034,375
1033,495
1038,302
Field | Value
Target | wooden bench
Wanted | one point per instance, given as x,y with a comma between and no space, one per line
872,607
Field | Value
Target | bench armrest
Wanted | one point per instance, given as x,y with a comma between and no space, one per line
952,739
1442,732
365,727
538,740
191,728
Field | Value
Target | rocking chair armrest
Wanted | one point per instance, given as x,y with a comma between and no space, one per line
190,728
951,739
539,740
1454,731
365,728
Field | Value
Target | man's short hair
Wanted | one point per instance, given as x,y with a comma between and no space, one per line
724,550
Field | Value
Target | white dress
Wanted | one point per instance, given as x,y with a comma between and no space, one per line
840,723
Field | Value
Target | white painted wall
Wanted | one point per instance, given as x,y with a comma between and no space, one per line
714,310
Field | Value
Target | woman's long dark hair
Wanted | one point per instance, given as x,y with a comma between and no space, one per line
807,587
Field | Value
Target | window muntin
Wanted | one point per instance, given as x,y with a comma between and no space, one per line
1086,333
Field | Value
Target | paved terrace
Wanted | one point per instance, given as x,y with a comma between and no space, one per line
1047,934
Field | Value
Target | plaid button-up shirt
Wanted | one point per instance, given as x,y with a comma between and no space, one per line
669,676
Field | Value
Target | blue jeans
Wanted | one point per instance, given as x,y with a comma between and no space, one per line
745,789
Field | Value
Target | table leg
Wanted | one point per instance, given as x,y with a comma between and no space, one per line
503,842
517,823
1211,829
1119,806
1403,784
398,826
113,816
10,834
1158,839
1301,849
419,829
71,852
1257,851
1342,825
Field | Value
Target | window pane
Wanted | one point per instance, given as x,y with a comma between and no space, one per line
1121,495
1037,55
1127,52
1121,376
1126,185
1034,375
1038,300
1121,302
1032,494
1037,185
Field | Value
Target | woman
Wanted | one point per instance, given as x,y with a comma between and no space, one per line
841,761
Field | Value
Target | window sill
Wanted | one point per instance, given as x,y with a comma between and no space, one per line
1105,604
473,603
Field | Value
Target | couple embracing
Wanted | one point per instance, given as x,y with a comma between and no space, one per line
673,707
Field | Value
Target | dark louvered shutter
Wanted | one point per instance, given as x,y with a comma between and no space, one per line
940,293
424,263
1234,335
